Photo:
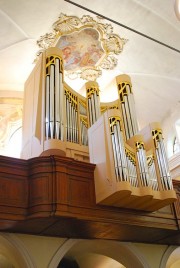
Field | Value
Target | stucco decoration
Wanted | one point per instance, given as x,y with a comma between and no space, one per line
10,118
88,45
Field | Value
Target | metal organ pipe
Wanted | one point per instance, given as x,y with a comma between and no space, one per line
120,161
62,100
83,129
131,164
57,100
127,105
53,98
142,162
162,159
47,118
153,181
71,117
92,92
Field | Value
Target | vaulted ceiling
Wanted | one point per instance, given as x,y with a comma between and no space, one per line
154,68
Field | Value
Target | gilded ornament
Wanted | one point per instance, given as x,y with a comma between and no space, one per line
90,74
66,24
47,40
109,62
87,44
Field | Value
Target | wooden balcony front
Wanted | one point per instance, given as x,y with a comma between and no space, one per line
55,196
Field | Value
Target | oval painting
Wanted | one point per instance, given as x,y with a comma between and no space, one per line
81,49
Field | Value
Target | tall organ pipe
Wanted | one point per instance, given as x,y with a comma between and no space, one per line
131,163
120,161
127,105
153,181
166,180
92,92
54,98
142,162
71,117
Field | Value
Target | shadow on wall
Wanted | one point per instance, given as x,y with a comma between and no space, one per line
68,263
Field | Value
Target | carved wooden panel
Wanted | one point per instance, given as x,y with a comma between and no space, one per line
79,194
55,195
13,192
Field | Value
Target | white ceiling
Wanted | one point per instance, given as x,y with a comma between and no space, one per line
154,69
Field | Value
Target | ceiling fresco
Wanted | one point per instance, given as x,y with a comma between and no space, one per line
88,45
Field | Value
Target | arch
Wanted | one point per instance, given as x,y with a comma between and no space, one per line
62,250
15,251
124,253
166,256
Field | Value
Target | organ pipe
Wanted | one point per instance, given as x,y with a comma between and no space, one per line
131,164
54,101
142,163
127,105
120,161
153,181
162,159
71,117
83,129
92,92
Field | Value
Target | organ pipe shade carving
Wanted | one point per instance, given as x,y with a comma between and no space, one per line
84,130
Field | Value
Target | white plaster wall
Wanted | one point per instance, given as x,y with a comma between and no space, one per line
29,251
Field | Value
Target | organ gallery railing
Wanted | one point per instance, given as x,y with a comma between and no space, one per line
58,118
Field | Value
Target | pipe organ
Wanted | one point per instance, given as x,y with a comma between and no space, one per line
131,165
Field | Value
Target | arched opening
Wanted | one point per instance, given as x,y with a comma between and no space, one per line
13,254
98,253
174,259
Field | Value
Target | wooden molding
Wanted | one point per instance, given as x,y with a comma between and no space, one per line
55,196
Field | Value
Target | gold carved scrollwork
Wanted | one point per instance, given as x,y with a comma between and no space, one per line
130,155
122,89
113,122
92,91
83,119
150,160
52,60
111,44
157,136
105,108
139,145
72,98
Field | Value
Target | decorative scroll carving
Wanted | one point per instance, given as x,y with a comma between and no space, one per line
88,45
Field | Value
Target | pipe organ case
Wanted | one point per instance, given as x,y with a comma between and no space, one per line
129,173
131,166
55,116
